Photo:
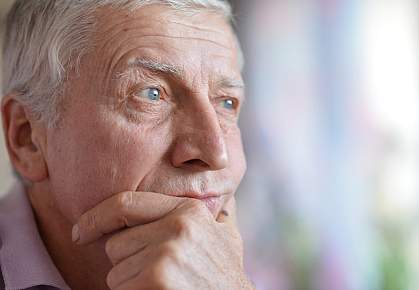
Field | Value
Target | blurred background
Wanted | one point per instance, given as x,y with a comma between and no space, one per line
331,127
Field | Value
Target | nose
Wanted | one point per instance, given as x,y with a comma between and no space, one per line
200,141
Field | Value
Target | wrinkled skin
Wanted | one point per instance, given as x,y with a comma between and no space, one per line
134,172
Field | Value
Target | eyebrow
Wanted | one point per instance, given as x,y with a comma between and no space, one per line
227,82
176,72
156,66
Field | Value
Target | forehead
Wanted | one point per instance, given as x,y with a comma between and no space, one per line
194,41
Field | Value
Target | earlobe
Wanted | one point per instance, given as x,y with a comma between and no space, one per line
22,135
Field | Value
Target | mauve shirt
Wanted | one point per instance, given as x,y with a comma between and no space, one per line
24,260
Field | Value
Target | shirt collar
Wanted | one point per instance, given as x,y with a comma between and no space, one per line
24,260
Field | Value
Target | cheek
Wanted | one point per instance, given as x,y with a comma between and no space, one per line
89,166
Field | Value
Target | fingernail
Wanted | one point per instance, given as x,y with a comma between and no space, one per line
75,235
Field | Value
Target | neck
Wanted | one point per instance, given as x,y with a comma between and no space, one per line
82,267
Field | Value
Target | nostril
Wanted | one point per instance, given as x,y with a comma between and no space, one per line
196,162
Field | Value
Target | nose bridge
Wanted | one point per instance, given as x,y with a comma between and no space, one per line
201,136
209,133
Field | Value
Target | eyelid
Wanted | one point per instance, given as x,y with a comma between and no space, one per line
234,93
135,79
140,88
143,92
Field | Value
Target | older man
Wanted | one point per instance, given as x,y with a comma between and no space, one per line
120,118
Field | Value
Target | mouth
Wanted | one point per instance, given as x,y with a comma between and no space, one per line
213,201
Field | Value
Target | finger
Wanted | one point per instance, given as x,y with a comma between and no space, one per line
155,277
129,241
123,210
127,269
133,240
228,214
135,283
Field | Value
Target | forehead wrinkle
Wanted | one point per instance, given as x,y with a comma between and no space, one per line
184,38
195,27
114,31
110,42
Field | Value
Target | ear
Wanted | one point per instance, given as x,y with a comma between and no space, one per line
24,140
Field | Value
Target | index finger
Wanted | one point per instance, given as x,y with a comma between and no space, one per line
122,210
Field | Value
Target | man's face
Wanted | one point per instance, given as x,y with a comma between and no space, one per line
154,108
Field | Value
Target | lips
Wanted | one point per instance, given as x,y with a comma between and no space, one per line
213,198
212,201
197,195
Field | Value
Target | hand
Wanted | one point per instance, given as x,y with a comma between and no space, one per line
167,243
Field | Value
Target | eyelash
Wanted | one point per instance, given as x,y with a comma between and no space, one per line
137,89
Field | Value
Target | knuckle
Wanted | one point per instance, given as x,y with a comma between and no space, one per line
158,275
91,221
125,200
124,205
183,226
170,250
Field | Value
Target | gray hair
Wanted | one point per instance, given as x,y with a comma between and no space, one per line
44,39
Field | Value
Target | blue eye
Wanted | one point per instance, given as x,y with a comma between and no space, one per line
228,104
153,94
